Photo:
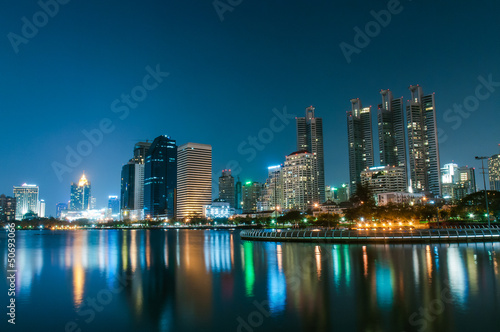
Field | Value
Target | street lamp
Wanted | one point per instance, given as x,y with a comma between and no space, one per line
485,191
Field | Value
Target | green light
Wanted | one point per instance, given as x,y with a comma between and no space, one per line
248,182
249,269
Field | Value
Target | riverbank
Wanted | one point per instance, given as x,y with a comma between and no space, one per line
375,236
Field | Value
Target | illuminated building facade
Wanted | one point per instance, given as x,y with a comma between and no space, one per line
194,185
160,178
132,183
226,187
7,208
391,131
310,138
297,181
80,195
384,179
41,208
494,172
423,142
60,208
114,205
219,209
272,192
360,141
457,182
251,193
238,201
26,200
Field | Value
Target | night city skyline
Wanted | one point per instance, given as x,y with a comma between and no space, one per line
218,82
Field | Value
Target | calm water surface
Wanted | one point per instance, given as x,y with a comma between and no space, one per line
208,280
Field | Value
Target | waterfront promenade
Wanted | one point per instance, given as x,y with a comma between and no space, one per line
375,235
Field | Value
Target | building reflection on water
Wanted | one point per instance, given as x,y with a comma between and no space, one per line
179,279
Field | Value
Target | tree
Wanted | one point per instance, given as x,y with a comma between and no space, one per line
327,219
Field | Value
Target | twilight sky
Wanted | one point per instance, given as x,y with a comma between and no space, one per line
225,78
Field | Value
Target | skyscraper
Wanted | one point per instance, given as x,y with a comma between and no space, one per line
237,195
7,208
60,208
26,200
41,208
226,187
384,179
457,182
297,181
275,187
250,193
194,185
423,142
310,139
80,195
494,172
391,131
360,141
132,183
160,178
114,205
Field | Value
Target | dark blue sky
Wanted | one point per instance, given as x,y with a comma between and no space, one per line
226,77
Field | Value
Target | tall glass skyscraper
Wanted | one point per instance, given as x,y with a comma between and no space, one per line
132,183
160,178
423,142
237,195
80,195
226,187
360,141
310,139
391,131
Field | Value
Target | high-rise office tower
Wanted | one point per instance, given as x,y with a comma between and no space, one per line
297,181
384,179
250,195
60,208
457,182
494,172
41,208
237,195
160,178
194,182
391,131
360,141
423,142
132,187
26,200
140,151
80,195
132,182
310,139
7,208
226,187
114,205
275,187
